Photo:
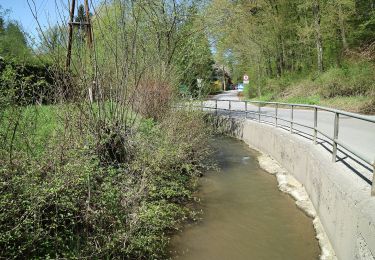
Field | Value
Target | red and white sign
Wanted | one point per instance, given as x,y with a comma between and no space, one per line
245,79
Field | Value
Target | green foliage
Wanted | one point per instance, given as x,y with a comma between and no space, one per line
53,44
277,44
350,80
194,59
364,23
248,91
170,36
40,208
310,100
67,204
13,43
343,86
23,78
27,131
26,83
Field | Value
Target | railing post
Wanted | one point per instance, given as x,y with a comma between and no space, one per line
216,106
373,179
230,107
202,104
291,120
315,124
245,109
276,110
335,137
259,111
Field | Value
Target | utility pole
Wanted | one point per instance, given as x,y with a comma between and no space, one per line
71,25
70,36
88,28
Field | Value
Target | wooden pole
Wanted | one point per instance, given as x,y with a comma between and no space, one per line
89,45
70,36
88,26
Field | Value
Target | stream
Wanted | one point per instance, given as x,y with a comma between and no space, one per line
244,216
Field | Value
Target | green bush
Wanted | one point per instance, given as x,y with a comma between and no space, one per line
350,80
67,204
42,208
26,84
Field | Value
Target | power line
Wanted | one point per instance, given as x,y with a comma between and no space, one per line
36,12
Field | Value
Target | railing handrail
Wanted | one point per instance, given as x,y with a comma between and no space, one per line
335,140
328,109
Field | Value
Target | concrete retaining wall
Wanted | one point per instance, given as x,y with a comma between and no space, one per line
342,199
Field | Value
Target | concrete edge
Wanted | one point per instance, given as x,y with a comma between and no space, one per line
288,184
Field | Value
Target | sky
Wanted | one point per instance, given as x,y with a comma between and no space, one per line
49,12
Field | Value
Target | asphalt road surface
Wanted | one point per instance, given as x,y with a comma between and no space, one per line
355,133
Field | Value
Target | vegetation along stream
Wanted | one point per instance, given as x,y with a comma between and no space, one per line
245,216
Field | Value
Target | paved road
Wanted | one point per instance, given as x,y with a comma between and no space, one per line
356,133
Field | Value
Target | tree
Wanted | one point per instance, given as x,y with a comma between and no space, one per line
288,36
364,22
13,43
81,18
193,57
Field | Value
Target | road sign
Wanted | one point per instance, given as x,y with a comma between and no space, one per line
245,79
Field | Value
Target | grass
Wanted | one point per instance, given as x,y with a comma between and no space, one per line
35,127
357,104
352,104
310,100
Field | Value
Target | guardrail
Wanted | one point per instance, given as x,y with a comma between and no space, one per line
334,139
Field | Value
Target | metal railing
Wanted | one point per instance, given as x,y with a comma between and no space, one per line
334,139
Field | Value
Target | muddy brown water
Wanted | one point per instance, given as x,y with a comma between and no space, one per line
245,216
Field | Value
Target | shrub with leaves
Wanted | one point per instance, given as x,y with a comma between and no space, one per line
69,205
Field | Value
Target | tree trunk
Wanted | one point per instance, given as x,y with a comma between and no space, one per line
342,29
280,56
284,58
224,83
70,36
318,35
269,66
259,79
